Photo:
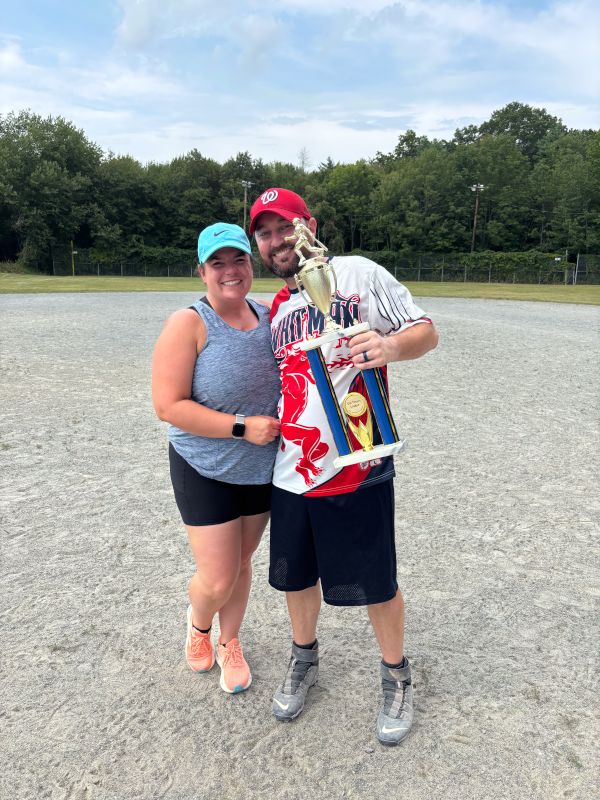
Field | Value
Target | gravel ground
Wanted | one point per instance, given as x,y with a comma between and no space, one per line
497,510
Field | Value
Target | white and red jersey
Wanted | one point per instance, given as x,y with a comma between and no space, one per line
366,292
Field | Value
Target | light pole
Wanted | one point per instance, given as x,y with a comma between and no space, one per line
246,185
477,188
73,254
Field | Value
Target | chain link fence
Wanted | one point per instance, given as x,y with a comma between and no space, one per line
515,268
585,269
86,262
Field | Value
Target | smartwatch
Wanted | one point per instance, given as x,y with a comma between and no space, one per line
239,427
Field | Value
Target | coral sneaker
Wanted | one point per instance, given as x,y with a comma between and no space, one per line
199,651
235,672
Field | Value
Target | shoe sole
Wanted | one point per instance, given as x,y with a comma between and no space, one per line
288,719
389,743
199,671
236,689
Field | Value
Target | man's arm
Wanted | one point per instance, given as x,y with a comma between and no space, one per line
410,343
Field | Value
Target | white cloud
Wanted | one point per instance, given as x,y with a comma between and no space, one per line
141,21
565,33
106,82
11,59
390,66
421,39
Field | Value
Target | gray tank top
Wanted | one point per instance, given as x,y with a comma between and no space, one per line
235,373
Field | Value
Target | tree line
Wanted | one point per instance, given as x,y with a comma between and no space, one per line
540,192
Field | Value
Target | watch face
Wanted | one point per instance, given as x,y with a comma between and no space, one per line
238,430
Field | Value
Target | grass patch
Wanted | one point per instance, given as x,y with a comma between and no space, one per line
36,284
39,284
559,293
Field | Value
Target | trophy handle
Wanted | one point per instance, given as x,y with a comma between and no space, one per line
302,291
335,284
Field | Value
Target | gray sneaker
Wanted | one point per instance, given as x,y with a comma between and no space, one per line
396,716
302,673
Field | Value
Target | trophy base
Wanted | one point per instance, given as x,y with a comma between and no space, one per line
333,336
362,456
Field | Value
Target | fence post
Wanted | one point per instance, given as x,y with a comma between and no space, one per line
490,273
540,275
98,268
465,277
168,270
442,278
121,269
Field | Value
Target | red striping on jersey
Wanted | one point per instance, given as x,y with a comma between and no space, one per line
281,297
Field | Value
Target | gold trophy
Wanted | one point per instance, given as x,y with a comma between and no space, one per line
317,284
316,279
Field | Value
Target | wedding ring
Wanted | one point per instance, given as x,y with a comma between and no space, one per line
365,355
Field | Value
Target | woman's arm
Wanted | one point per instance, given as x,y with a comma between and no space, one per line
173,363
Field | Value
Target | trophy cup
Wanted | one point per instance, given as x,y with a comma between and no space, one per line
317,285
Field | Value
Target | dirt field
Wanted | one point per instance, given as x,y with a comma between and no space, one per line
497,534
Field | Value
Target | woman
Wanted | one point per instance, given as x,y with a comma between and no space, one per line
215,380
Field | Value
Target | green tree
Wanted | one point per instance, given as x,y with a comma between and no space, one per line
528,127
571,169
235,170
189,197
129,200
421,203
498,163
49,177
348,189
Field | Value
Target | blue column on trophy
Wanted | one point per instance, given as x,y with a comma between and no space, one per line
330,404
374,382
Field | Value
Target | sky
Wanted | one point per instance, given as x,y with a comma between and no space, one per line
294,79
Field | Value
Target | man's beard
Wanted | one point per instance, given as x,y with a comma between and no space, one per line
288,269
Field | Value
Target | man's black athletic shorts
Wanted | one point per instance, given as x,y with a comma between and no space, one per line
346,541
205,501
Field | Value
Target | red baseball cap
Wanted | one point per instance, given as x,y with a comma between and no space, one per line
284,202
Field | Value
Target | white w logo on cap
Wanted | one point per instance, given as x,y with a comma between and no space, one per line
269,196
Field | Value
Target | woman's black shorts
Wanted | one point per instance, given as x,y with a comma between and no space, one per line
346,541
205,501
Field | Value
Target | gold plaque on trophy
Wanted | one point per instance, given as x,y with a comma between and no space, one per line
357,413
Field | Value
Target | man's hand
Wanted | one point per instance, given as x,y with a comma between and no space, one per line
370,349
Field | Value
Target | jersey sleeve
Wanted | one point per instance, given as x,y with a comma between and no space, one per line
391,306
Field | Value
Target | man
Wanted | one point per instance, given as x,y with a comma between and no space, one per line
332,530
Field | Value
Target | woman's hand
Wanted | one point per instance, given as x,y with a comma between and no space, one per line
261,430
